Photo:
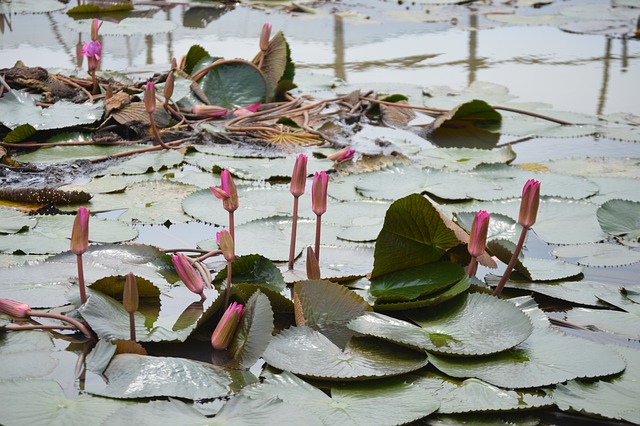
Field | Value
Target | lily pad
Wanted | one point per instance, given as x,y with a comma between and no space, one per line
254,333
26,355
18,108
620,217
465,159
599,254
620,323
48,404
473,395
388,402
413,234
150,161
13,221
545,358
431,300
126,27
327,307
30,6
306,352
139,376
234,83
470,324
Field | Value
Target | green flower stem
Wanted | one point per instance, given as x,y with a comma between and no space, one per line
227,292
83,292
473,266
294,228
512,262
232,227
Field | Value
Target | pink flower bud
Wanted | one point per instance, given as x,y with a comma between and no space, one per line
209,110
130,298
529,203
188,274
227,192
226,245
299,176
319,193
150,97
478,235
265,36
247,110
342,155
93,52
80,232
13,308
168,85
226,328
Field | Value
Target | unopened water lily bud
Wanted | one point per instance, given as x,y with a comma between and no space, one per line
299,176
130,298
319,193
80,232
13,308
529,203
478,235
226,328
188,274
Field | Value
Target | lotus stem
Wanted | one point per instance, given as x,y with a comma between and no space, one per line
512,262
132,327
232,227
156,133
317,244
83,292
227,291
473,266
294,228
75,323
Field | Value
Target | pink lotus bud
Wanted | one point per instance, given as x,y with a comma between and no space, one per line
247,110
95,26
478,235
130,298
188,274
13,308
342,155
227,192
150,97
529,203
225,241
80,232
265,36
226,328
209,110
168,85
319,193
299,176
93,51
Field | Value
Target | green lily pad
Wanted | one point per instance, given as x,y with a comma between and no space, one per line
413,234
61,154
465,159
126,27
472,395
254,332
13,221
387,402
418,281
469,122
620,217
30,6
545,358
254,269
599,254
612,188
620,323
613,167
137,376
49,405
434,299
147,162
336,264
26,355
471,324
306,352
387,184
18,108
233,84
327,307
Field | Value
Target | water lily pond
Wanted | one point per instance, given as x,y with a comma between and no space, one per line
418,114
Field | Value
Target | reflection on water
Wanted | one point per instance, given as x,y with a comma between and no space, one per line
592,74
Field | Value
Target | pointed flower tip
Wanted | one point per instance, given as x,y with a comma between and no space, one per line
319,193
227,192
299,176
150,97
265,35
80,232
226,328
14,308
529,203
188,274
226,245
313,267
95,26
342,155
209,110
478,235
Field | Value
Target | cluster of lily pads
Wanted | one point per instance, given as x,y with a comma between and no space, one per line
391,330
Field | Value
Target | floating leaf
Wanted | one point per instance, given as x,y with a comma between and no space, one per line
18,108
620,217
545,358
418,281
233,84
599,254
464,159
475,395
621,323
327,307
471,324
467,124
434,299
13,221
255,269
413,234
25,355
336,264
138,376
61,154
48,404
150,161
304,351
388,402
126,27
254,332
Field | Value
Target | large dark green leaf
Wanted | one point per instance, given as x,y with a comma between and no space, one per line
304,351
254,269
254,332
233,84
413,234
411,283
468,124
434,299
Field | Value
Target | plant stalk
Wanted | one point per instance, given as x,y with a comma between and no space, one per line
294,229
75,323
473,266
132,327
83,292
227,292
512,262
317,245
